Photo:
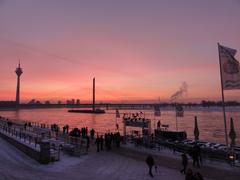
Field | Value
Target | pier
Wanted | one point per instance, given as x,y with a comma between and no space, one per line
39,141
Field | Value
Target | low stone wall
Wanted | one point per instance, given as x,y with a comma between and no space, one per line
34,154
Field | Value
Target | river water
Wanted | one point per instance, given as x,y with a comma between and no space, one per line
210,121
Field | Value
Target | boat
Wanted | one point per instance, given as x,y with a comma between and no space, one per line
89,111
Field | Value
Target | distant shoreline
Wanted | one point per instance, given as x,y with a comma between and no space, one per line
87,106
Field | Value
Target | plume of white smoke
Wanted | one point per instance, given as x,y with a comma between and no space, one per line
182,90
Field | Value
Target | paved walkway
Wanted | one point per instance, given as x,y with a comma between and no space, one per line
14,165
168,159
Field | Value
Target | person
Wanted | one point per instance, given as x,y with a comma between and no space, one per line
92,132
196,155
150,163
88,142
189,174
101,142
158,125
98,143
184,163
118,139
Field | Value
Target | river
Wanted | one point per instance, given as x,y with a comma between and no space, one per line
210,121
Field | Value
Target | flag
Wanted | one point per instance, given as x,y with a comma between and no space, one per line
179,111
117,114
157,111
230,69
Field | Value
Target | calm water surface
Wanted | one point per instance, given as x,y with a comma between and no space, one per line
210,122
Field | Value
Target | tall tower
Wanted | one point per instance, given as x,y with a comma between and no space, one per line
19,72
93,105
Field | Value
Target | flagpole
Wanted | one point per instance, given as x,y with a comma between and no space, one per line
223,100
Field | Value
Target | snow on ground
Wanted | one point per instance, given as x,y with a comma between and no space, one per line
103,165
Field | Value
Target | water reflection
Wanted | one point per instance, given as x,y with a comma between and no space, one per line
210,123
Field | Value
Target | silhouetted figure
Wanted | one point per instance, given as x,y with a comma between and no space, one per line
196,154
105,139
98,143
158,125
92,132
88,142
101,142
184,163
25,126
189,174
118,139
150,163
67,128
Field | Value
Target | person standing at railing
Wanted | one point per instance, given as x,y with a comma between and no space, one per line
98,143
101,142
92,132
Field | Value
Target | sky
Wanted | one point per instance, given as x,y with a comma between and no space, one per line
138,50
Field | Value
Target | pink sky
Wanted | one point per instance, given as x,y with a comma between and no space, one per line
137,50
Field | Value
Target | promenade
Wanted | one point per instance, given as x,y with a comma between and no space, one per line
14,165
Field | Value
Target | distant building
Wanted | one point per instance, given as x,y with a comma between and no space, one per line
38,102
73,101
7,103
78,101
47,102
33,101
68,102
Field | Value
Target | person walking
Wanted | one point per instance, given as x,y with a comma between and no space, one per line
184,163
150,163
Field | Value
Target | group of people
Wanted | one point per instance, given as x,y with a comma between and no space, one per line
84,131
27,125
195,153
109,140
65,129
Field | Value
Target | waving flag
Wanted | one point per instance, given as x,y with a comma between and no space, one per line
230,69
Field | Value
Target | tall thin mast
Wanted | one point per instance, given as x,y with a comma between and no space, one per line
93,105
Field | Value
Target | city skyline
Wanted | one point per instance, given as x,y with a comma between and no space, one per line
137,51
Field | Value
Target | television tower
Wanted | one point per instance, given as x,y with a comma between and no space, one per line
19,72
